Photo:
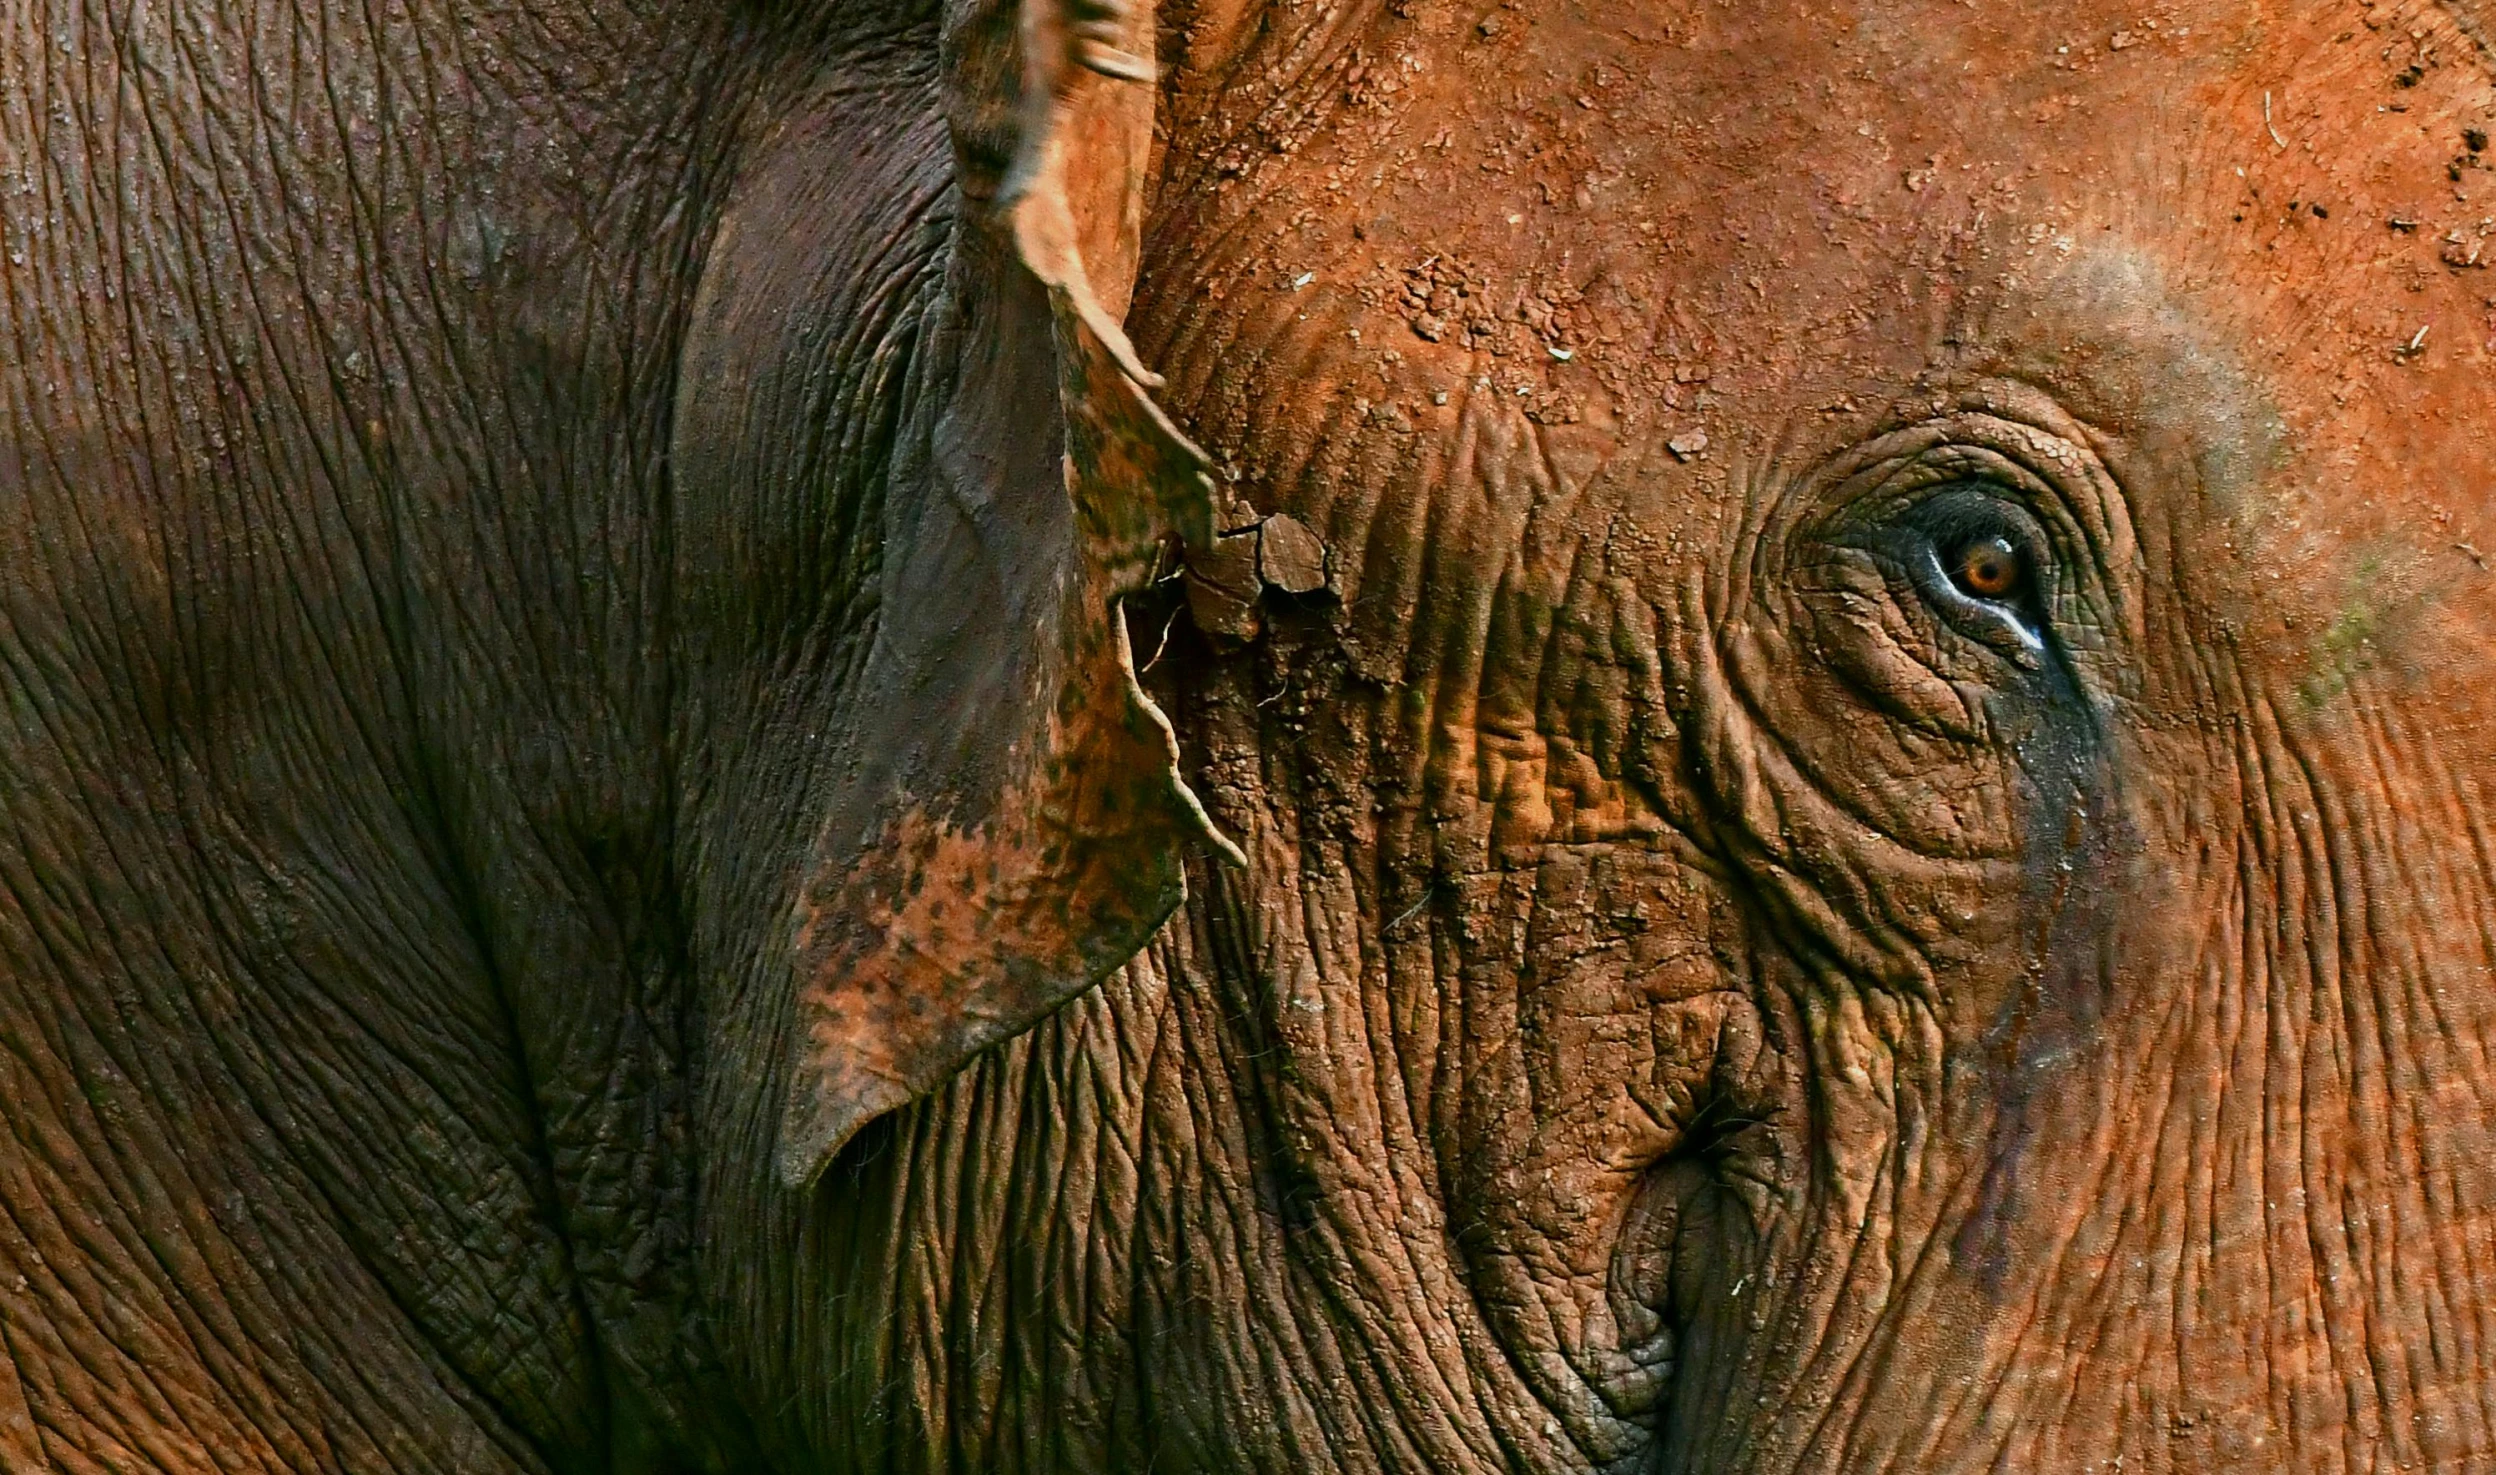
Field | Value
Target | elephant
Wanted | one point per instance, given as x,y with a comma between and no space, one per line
1641,736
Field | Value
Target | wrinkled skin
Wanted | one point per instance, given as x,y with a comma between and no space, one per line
1704,993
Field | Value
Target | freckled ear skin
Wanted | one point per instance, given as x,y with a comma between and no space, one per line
1010,824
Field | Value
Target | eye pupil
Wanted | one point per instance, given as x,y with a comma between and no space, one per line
1989,567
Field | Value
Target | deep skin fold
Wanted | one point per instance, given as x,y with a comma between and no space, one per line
1577,833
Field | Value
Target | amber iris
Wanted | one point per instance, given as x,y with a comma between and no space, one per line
1989,568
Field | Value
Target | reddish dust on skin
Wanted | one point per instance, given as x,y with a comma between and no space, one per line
1584,288
945,940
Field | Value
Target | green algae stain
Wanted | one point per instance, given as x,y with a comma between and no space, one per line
2350,644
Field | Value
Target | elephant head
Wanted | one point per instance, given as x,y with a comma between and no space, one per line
1796,786
1864,860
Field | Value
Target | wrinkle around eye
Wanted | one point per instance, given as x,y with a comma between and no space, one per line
1863,635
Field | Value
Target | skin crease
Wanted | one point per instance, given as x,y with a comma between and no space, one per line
1692,1006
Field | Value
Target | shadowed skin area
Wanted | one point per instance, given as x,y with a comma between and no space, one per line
1707,994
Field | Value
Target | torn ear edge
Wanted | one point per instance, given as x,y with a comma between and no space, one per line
1119,441
961,911
1081,82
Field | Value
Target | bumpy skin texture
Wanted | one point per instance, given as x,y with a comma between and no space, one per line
1701,997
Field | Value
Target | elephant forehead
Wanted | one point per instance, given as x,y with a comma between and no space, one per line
1669,139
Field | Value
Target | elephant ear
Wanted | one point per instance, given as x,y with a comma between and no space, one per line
1013,823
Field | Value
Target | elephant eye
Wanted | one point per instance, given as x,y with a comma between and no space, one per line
1975,555
1989,567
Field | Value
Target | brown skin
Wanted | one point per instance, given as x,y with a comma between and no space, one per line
495,797
2120,1077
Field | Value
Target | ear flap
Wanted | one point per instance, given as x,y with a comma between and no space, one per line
1012,827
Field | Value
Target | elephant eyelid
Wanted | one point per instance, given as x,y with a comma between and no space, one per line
2013,617
1932,541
